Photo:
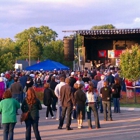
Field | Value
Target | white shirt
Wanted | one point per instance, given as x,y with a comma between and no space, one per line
57,91
91,98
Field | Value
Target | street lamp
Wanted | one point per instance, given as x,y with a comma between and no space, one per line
29,40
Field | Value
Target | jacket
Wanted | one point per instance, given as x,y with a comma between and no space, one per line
117,90
66,96
48,97
34,112
8,108
80,97
16,88
91,97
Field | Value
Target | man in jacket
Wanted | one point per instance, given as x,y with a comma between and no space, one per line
106,100
67,101
16,89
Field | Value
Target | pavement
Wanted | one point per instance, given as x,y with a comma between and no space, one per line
125,126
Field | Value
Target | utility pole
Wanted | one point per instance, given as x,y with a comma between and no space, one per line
29,40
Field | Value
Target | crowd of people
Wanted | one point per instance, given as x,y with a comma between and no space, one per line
70,93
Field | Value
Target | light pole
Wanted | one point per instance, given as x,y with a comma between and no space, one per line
29,40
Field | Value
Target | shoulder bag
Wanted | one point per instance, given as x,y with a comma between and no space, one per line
24,116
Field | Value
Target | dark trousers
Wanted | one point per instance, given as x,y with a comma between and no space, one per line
34,123
8,131
116,102
74,114
54,104
49,109
69,112
107,109
93,107
101,106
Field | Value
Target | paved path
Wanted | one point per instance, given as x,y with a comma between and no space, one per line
126,126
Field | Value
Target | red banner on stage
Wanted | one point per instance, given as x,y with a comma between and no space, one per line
102,53
117,53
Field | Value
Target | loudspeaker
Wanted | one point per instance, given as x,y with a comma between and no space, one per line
68,48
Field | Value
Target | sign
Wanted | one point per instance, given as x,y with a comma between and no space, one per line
102,53
117,53
110,53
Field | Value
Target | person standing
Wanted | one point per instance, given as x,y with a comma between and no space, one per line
52,86
16,89
106,100
38,82
8,108
116,90
23,80
92,106
29,82
80,100
32,104
67,101
47,99
2,88
57,93
72,79
99,86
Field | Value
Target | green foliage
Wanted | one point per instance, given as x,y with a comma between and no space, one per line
106,26
55,51
39,38
6,62
130,63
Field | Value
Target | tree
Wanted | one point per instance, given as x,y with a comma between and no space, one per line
130,63
39,38
6,62
8,53
106,26
55,51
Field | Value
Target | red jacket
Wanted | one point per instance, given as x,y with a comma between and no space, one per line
129,83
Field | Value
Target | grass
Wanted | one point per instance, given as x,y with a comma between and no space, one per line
130,105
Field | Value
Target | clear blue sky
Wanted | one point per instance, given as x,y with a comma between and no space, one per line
17,15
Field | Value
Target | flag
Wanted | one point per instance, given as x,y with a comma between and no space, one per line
102,53
117,53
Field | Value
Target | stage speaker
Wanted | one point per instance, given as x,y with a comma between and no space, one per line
68,48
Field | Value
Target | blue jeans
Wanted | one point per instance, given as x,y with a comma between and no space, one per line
107,108
116,102
8,131
93,107
59,112
17,97
101,106
34,123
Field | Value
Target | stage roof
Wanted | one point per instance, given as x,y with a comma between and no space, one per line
109,32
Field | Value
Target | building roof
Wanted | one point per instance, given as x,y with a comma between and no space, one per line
108,32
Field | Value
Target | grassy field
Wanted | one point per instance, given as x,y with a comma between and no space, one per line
130,105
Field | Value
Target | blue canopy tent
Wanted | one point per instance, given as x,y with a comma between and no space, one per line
48,65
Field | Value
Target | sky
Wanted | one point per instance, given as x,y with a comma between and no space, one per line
60,15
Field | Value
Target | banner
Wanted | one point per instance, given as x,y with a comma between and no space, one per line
110,53
117,53
102,53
